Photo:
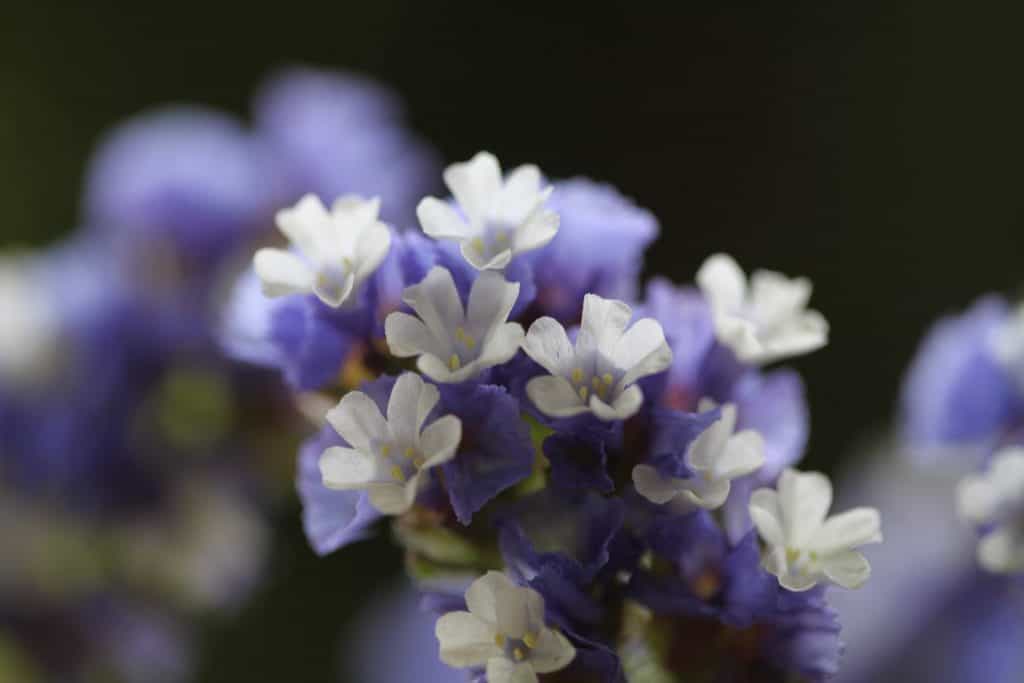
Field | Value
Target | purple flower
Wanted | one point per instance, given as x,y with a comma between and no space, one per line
496,452
335,134
956,393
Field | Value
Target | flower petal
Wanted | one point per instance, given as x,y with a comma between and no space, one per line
641,351
625,405
547,343
332,291
465,640
502,344
392,498
805,498
653,486
767,516
491,299
1001,551
602,324
475,185
722,281
346,468
503,670
553,652
536,232
407,335
436,301
520,194
848,530
743,454
849,569
555,396
485,261
282,273
440,221
371,250
358,420
440,440
304,223
410,402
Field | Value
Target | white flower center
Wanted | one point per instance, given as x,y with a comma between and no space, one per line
402,462
517,649
589,383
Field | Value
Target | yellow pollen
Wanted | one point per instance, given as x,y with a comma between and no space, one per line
792,555
530,640
384,450
607,379
584,393
397,473
454,363
519,654
577,376
501,238
499,639
418,461
409,451
478,244
596,383
466,339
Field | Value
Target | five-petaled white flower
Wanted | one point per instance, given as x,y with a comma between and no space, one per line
333,252
995,498
765,321
388,457
716,457
504,631
453,344
599,372
803,546
502,217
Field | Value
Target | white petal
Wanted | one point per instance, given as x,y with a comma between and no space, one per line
722,281
410,402
739,335
391,498
436,301
802,334
1001,551
409,336
709,445
465,640
332,291
440,440
520,194
438,370
743,454
303,224
849,569
358,420
654,487
805,498
503,670
549,345
502,345
491,299
440,221
625,405
346,468
709,496
603,322
482,261
642,351
536,232
475,185
766,515
976,500
282,273
776,297
850,529
555,396
371,250
797,583
495,599
553,652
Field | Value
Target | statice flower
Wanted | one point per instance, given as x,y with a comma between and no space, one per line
995,499
765,320
804,545
598,373
337,250
501,217
455,343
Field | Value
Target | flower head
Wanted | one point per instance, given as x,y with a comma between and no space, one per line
504,631
389,456
598,374
337,250
996,498
503,216
803,546
716,457
455,343
765,320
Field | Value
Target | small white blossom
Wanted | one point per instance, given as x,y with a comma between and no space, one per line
453,344
803,546
764,321
28,344
503,631
500,217
332,252
716,457
995,498
389,456
599,372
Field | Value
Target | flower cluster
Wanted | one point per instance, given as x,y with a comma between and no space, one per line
136,456
964,400
590,485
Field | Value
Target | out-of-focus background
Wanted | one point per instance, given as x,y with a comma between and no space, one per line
873,148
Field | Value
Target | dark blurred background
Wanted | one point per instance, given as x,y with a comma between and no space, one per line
875,149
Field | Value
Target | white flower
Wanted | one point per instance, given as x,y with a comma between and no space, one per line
598,373
388,457
765,321
28,345
504,631
455,344
716,457
336,251
502,217
803,546
996,498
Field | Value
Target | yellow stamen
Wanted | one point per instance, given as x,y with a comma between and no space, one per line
792,555
596,383
577,375
418,461
499,639
384,450
584,393
454,362
409,451
519,654
607,379
477,244
397,473
466,339
530,640
501,238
